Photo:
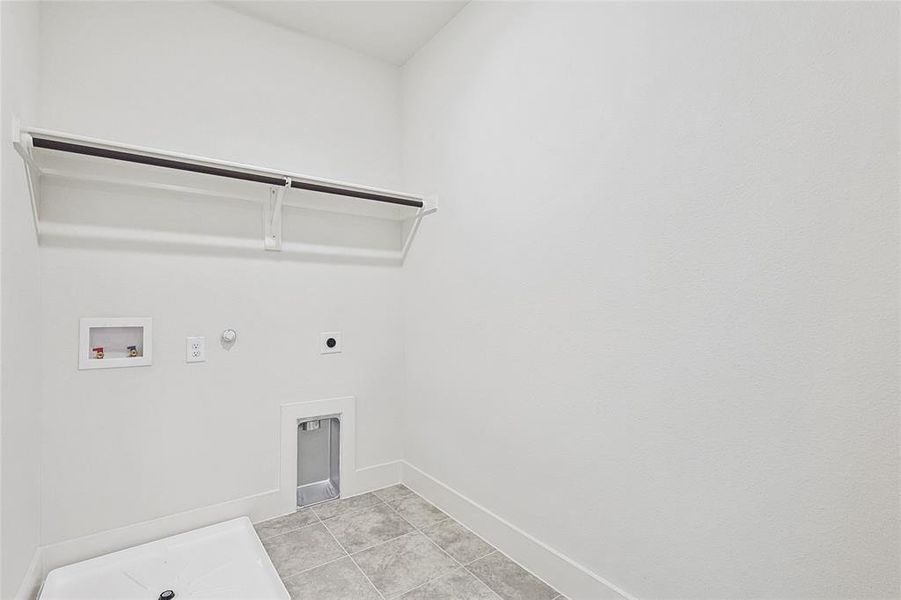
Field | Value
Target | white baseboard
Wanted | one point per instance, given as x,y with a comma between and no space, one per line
31,583
377,477
258,507
559,571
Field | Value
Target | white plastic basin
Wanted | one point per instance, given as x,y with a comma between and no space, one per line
224,561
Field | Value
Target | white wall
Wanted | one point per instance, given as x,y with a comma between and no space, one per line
20,431
127,445
622,332
199,78
656,322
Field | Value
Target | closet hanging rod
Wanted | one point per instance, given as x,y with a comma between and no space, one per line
168,163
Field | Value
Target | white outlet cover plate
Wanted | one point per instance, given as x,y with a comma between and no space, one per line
195,349
323,342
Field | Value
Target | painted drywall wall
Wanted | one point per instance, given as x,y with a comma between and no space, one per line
656,323
126,445
20,431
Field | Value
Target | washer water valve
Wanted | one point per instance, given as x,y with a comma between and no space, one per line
132,351
98,352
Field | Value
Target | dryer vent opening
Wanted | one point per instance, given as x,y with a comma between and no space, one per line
318,444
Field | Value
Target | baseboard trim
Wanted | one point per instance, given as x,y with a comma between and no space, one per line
558,570
571,578
379,476
258,507
31,583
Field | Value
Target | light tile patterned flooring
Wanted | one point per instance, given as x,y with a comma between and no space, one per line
390,544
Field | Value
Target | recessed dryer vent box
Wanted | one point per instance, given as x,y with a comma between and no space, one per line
108,343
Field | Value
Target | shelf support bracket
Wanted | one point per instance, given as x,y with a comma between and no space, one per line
22,145
272,236
412,226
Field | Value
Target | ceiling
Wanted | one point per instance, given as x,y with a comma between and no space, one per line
389,30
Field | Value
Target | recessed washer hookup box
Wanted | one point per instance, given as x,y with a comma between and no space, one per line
226,561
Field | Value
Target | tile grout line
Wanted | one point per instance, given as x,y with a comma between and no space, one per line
529,571
403,518
340,545
485,583
356,510
496,551
360,569
466,566
416,529
352,511
431,541
419,531
308,569
487,554
328,562
320,521
272,537
460,565
325,524
409,493
380,543
312,512
423,584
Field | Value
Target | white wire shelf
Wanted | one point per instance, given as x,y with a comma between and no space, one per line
63,159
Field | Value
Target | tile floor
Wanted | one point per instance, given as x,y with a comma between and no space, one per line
390,544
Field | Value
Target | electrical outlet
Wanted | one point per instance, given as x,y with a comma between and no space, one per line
195,349
330,342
